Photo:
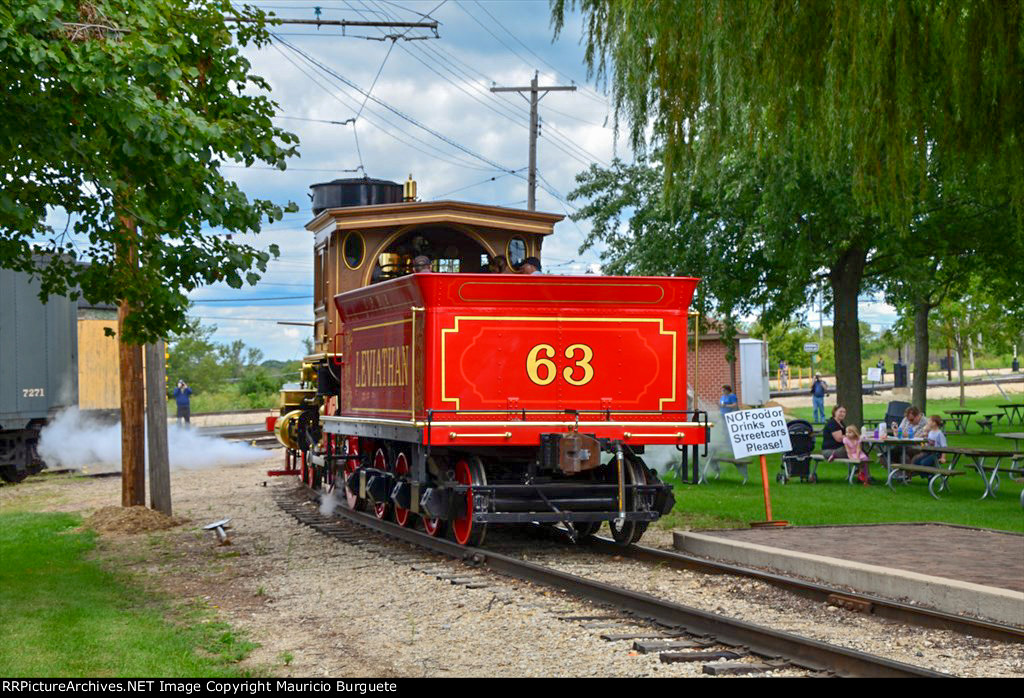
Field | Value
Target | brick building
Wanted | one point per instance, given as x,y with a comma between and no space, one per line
715,370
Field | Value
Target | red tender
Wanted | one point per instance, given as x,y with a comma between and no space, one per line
498,359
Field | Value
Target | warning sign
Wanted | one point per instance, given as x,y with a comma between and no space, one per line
757,432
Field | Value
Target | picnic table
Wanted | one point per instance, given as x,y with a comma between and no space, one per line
1014,412
989,420
1017,438
977,461
889,443
961,419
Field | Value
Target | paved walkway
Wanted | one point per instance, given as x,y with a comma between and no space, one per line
966,554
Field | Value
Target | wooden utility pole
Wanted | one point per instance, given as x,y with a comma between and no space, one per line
156,428
535,97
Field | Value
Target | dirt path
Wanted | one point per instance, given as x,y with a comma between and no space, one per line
320,607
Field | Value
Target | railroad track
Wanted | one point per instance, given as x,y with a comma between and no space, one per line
254,435
676,632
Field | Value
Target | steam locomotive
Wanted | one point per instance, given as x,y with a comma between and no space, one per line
458,399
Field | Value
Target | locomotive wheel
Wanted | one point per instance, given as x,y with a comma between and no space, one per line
434,528
468,532
401,468
380,461
352,448
10,473
629,532
586,529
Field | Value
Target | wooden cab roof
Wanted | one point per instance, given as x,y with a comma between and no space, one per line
359,246
434,212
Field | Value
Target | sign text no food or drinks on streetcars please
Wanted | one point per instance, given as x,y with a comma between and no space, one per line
757,432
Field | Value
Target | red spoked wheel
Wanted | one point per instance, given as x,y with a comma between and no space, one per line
352,449
468,532
433,527
380,462
401,469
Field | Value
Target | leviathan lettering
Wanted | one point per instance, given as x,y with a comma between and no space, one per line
385,367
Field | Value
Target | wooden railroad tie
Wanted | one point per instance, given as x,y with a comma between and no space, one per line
713,656
737,668
667,645
640,635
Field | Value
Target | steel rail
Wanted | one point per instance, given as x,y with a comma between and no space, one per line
876,605
799,651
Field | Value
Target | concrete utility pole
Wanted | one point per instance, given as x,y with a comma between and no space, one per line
535,97
156,428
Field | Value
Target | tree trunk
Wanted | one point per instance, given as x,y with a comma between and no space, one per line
133,447
919,396
133,427
845,277
960,364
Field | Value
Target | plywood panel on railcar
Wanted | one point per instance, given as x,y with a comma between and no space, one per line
98,374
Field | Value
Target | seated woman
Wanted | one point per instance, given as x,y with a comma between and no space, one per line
832,435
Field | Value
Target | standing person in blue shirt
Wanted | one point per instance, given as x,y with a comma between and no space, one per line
182,394
818,392
728,401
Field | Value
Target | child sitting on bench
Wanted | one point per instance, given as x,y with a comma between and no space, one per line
853,451
936,439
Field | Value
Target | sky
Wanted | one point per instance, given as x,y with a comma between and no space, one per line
442,83
439,122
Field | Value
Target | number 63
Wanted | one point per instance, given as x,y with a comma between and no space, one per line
534,362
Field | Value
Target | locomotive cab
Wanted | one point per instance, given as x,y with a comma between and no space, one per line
461,399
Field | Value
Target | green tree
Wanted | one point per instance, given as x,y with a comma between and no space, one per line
974,312
118,114
192,357
762,235
958,237
703,234
875,88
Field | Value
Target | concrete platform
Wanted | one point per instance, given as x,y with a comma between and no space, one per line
955,569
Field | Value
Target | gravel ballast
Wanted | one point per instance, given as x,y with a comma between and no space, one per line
366,607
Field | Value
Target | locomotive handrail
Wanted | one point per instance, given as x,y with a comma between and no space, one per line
334,352
574,413
412,351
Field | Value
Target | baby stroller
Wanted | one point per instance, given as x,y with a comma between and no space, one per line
798,462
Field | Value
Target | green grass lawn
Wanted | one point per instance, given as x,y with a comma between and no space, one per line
64,615
727,503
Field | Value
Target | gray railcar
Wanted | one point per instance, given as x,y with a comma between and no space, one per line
38,369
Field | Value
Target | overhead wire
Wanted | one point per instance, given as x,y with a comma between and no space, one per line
514,110
438,154
440,136
583,88
249,300
559,142
477,184
450,159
